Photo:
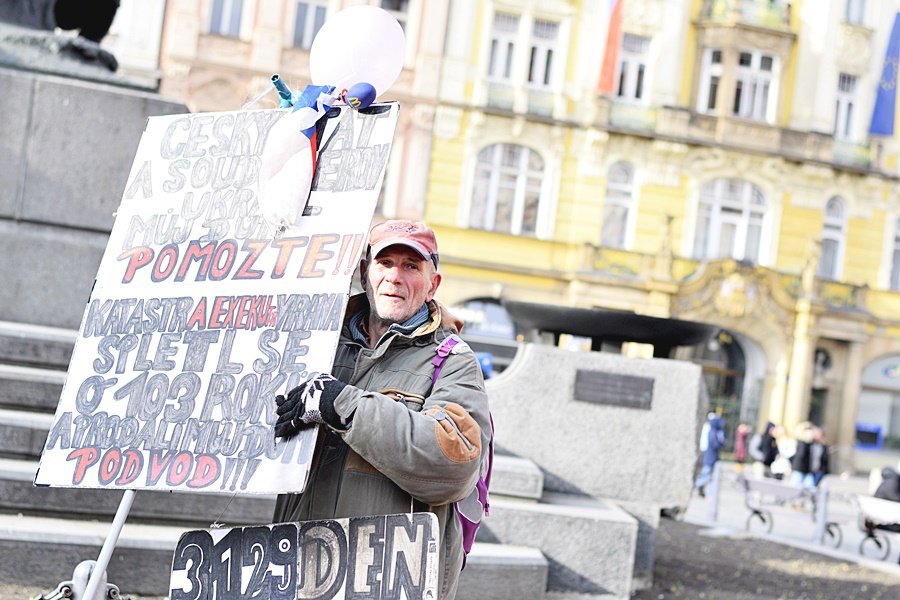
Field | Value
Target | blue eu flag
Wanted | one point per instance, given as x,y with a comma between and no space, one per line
886,97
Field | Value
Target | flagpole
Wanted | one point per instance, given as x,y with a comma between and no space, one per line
97,574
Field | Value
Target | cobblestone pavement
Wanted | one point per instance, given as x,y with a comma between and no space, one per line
694,561
716,559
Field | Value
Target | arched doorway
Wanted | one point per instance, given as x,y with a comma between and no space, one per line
724,365
734,372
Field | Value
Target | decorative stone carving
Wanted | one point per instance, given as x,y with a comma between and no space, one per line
728,292
447,122
854,49
643,16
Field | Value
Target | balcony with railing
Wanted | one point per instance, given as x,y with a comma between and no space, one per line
853,155
632,116
635,268
501,95
759,13
540,102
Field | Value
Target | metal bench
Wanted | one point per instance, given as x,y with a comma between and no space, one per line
761,494
877,517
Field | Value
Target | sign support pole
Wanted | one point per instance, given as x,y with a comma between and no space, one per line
109,544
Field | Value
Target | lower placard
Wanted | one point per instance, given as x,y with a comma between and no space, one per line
385,556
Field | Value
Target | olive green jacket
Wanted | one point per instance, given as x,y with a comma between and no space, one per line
405,449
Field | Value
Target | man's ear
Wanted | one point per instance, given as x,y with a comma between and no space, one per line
435,282
364,273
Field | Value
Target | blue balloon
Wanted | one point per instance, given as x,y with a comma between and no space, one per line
360,95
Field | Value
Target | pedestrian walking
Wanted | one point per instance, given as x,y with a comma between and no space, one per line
710,445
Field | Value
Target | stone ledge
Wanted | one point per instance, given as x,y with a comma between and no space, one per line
36,345
503,572
516,477
589,544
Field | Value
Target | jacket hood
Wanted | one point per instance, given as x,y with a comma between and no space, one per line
448,319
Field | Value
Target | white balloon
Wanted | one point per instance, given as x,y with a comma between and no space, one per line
359,43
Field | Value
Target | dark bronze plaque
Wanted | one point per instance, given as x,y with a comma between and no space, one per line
613,389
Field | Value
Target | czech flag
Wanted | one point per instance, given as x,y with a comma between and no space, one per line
607,83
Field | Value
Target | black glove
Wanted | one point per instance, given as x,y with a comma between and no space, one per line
308,404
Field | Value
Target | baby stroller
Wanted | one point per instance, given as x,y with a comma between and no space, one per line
877,518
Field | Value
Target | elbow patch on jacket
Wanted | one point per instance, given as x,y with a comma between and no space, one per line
458,435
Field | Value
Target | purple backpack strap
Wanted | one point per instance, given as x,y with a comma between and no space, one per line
476,505
441,353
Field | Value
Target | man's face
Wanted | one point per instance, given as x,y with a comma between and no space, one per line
398,281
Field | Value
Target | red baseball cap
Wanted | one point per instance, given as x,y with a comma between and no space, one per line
414,234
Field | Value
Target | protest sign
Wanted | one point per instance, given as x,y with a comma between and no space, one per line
202,311
379,557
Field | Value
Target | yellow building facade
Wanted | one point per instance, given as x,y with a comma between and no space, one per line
707,161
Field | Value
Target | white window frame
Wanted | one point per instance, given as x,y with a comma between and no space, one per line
894,282
834,234
631,80
755,89
543,54
401,14
845,107
230,18
620,195
501,66
309,25
710,74
489,168
855,12
731,203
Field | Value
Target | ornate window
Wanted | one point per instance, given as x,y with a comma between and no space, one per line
730,219
618,207
503,46
844,115
833,234
309,19
225,18
633,66
507,190
543,45
856,12
710,77
754,86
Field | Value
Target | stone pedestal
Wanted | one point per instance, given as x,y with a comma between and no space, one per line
68,146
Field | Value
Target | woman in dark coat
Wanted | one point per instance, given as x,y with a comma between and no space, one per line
769,446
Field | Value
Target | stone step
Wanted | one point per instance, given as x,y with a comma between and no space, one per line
517,478
192,510
589,544
503,572
22,434
30,388
47,551
36,345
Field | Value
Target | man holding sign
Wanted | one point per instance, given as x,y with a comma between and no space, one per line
402,434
